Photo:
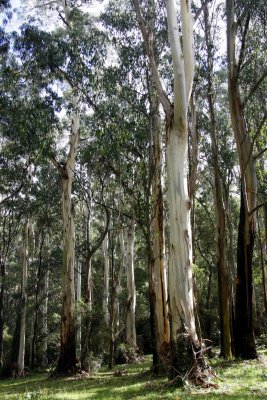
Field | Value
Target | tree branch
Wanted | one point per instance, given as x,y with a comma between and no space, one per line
148,42
257,208
243,44
99,241
254,88
260,153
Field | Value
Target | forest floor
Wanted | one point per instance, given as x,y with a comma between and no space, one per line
236,380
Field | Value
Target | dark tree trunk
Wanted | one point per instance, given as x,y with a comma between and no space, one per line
33,360
244,341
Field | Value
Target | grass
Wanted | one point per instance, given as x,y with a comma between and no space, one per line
237,381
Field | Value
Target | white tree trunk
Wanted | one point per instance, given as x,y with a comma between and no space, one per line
180,250
25,258
131,294
106,280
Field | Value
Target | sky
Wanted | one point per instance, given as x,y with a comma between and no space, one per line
19,16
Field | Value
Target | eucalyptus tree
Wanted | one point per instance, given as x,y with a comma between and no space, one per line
246,82
181,301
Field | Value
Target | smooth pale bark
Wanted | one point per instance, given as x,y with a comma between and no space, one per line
23,301
220,213
106,281
244,342
131,293
158,290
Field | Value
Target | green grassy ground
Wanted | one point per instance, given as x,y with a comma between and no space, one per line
236,380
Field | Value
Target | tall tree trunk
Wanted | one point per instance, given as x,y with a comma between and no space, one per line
244,341
106,280
131,293
157,270
23,301
221,238
67,357
181,299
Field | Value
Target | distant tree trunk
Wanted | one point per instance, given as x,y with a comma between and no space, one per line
23,300
131,293
157,270
88,295
221,238
44,330
112,298
244,341
106,280
33,360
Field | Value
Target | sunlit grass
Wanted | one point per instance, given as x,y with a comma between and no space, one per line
237,381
